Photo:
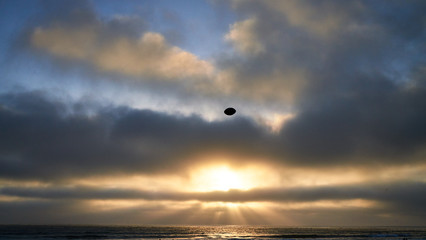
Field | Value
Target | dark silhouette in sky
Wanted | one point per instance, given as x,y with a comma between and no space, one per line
230,111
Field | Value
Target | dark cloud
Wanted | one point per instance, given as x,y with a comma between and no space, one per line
26,212
40,140
392,198
329,42
46,139
408,195
71,212
401,24
376,120
355,101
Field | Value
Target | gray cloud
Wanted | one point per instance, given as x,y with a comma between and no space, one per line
331,45
403,199
42,140
377,120
70,212
194,214
350,72
402,194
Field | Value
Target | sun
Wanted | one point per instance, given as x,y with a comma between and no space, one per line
224,177
219,178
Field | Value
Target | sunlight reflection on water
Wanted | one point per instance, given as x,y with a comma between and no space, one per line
204,232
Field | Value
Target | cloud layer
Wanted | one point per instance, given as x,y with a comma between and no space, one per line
350,204
42,140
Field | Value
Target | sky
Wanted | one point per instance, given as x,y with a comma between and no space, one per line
111,112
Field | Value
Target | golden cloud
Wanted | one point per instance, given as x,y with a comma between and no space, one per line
148,56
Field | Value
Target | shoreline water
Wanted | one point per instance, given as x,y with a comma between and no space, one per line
206,232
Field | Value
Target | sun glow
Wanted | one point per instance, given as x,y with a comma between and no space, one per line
220,178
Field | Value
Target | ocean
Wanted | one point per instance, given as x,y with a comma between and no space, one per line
205,232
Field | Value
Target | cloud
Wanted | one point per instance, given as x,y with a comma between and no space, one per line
43,141
316,48
305,46
48,140
148,56
71,212
322,18
403,199
406,193
242,37
381,120
338,67
119,44
59,42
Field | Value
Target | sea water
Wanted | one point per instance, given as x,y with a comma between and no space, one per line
205,232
